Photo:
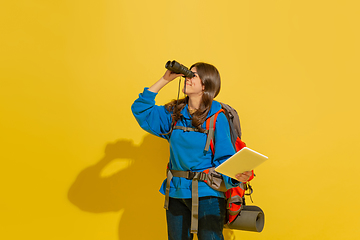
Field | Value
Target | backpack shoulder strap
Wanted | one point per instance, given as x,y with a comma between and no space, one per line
234,124
210,127
233,118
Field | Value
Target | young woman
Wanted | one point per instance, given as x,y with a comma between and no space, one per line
187,149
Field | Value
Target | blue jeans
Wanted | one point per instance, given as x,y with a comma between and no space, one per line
212,212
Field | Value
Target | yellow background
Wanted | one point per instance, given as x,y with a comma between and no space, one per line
75,164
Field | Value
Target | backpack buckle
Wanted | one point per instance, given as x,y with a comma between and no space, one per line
191,175
202,176
198,176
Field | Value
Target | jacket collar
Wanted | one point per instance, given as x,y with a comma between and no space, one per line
215,107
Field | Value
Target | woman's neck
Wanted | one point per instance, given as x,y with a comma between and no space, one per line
194,103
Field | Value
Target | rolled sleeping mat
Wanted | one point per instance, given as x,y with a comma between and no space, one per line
251,218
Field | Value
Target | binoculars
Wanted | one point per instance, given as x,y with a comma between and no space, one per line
176,67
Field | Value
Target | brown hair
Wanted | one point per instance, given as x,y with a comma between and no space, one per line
210,79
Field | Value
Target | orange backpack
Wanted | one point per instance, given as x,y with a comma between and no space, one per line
235,196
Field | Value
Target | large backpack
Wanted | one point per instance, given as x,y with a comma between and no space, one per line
234,196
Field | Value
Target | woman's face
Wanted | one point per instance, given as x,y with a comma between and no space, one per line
194,85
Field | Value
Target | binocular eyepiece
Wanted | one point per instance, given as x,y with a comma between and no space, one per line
176,67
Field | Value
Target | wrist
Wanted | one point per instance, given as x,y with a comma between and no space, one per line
164,80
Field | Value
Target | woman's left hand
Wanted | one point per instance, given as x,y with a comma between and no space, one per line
243,177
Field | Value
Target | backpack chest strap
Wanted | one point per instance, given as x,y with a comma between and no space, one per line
189,129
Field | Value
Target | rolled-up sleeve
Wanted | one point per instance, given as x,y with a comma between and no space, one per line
152,118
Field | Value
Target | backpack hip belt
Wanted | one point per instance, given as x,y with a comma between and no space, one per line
207,176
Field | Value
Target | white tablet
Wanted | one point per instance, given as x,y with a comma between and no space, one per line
244,160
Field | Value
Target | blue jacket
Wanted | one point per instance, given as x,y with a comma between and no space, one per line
186,148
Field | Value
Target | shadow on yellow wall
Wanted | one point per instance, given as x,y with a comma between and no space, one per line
133,189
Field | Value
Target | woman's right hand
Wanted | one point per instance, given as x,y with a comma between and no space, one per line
169,75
